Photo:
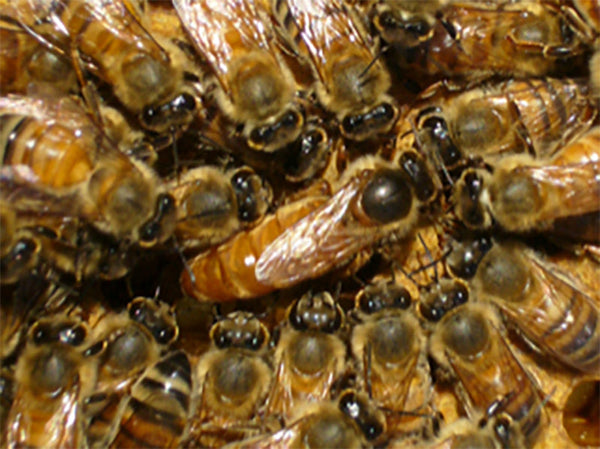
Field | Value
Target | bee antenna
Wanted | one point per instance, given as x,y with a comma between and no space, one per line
216,311
156,293
407,275
434,262
338,290
372,63
359,280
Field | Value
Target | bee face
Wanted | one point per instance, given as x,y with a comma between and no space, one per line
240,330
317,312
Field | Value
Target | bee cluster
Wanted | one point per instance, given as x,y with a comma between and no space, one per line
300,223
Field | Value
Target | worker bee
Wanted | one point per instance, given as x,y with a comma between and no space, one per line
25,63
132,341
350,422
378,203
478,39
310,356
388,345
539,116
53,373
551,310
562,195
157,411
352,82
253,86
468,343
213,204
111,41
233,379
69,158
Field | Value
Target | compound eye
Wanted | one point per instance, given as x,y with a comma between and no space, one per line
255,342
41,334
351,124
290,120
387,197
402,298
150,232
185,102
23,250
262,136
150,116
73,336
165,204
223,340
164,335
138,312
418,28
419,174
370,303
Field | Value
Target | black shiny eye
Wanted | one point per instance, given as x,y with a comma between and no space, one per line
41,334
223,341
255,342
164,335
312,139
73,336
370,303
138,312
419,174
23,250
387,197
382,113
165,204
245,191
150,232
474,185
431,313
387,20
290,120
417,28
184,102
459,295
262,135
351,123
150,116
402,298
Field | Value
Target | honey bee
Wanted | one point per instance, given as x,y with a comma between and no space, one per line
478,39
379,203
548,308
376,203
132,341
310,356
233,379
52,374
70,158
25,63
351,82
112,41
389,348
467,342
253,86
537,117
157,411
213,204
561,196
351,422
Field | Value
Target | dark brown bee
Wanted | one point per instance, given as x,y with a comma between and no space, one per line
309,357
233,381
478,39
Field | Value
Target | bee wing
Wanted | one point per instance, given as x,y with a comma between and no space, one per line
20,188
222,28
322,24
315,244
578,186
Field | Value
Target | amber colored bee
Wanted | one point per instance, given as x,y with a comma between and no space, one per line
158,409
69,157
351,422
389,347
310,355
53,373
253,86
351,82
132,341
489,121
561,196
233,379
378,204
111,41
478,39
548,308
214,204
25,63
467,342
